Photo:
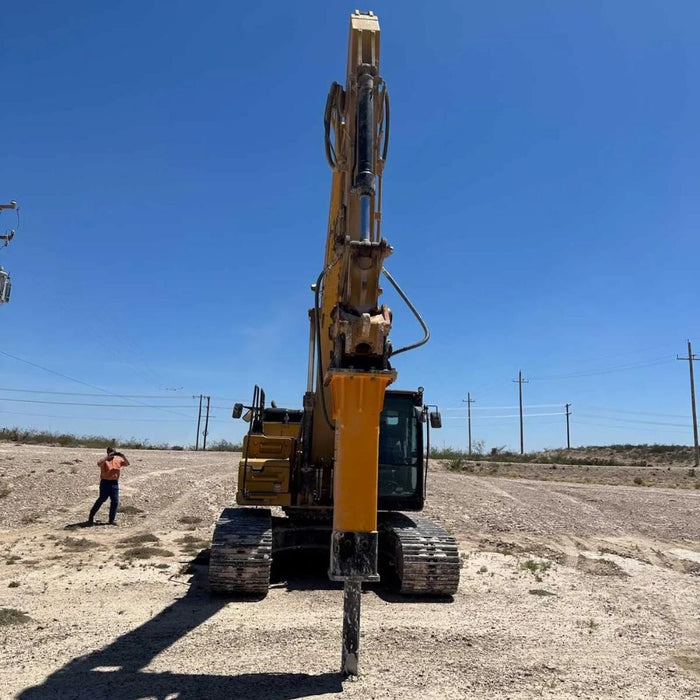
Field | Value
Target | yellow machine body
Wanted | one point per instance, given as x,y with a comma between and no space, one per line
264,472
358,399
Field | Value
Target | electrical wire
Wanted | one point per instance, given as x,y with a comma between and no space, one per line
609,370
510,415
73,379
633,413
493,408
102,405
77,393
126,420
630,420
609,426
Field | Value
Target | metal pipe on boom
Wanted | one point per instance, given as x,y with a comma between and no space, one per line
364,154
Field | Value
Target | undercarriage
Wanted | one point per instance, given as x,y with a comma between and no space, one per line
416,557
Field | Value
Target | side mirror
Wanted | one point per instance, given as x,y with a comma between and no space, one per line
237,410
435,419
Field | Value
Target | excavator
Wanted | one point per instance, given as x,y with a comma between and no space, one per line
343,471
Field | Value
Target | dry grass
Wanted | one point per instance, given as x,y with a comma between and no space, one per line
78,544
192,544
12,616
147,552
139,539
5,489
536,568
129,510
189,520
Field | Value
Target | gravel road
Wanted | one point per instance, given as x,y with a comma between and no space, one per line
567,591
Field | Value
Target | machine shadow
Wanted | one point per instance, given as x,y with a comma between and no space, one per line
116,672
304,570
308,571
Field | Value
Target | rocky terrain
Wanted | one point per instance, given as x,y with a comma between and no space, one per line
568,590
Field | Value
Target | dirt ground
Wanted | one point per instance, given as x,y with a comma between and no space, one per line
568,590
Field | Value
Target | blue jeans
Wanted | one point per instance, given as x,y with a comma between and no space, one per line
109,488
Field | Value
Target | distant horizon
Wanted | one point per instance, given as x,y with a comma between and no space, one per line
44,437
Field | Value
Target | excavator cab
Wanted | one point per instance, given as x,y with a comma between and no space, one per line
401,451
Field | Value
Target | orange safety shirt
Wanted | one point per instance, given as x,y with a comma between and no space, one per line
110,468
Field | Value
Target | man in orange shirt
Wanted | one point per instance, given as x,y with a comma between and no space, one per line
110,466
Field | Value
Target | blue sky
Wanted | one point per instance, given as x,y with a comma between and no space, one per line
540,195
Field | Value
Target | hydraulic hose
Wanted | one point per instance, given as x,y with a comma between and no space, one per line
317,318
401,293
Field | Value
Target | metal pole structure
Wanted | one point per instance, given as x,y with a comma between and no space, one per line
520,382
5,282
469,401
206,424
199,420
568,440
352,601
691,358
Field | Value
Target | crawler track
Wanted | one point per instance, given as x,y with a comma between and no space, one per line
424,557
241,552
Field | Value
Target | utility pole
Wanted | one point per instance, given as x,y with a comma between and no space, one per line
520,382
206,424
691,358
568,440
5,282
469,401
199,420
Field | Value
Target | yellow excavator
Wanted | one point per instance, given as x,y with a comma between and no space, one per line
347,466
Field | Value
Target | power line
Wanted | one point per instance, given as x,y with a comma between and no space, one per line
72,379
608,370
104,405
120,396
77,393
612,426
101,418
631,420
508,415
634,413
493,408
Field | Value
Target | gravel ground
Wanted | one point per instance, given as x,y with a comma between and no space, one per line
568,590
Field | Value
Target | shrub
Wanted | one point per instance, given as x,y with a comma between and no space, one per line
129,510
139,539
147,552
12,616
224,446
46,437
